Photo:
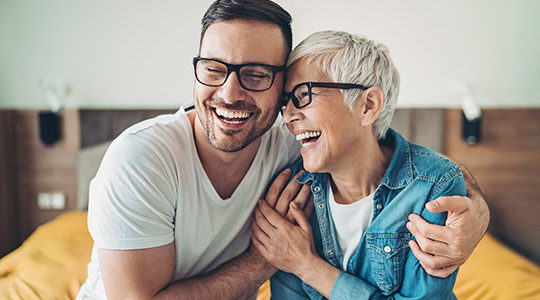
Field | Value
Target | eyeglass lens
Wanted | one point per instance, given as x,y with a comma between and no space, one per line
302,95
252,77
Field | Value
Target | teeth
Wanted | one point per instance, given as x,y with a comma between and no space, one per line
307,135
231,114
306,144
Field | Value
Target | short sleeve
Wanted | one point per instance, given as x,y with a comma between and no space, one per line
132,197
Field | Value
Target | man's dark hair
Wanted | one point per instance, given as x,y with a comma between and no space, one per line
260,10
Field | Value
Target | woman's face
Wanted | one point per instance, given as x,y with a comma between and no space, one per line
328,131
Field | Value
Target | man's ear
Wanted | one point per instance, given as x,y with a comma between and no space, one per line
373,99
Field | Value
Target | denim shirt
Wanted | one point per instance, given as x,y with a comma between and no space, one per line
383,266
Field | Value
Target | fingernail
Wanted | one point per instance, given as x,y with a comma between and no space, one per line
294,205
409,225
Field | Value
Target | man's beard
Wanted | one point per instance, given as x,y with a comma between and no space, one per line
239,139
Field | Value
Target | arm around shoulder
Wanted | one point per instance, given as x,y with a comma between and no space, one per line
442,249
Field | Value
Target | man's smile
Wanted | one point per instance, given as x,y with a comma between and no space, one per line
232,117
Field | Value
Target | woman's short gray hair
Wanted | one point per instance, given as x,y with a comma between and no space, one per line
350,58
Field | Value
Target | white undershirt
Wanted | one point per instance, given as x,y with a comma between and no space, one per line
350,221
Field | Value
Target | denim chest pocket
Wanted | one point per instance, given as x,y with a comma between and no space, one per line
387,255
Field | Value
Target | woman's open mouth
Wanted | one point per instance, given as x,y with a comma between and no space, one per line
308,138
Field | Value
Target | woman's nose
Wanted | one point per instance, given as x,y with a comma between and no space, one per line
290,113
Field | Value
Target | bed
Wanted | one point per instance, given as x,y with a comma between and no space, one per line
52,262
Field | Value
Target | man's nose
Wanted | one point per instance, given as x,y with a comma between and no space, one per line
231,90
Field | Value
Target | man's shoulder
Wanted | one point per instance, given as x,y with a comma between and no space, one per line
161,123
163,137
431,163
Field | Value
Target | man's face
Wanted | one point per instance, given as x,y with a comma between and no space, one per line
232,116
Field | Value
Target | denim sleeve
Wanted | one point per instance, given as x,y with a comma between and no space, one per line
286,286
417,284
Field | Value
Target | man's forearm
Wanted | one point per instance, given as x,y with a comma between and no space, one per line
475,194
237,279
477,197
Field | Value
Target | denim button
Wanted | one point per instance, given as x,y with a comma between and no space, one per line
379,206
320,206
387,249
317,189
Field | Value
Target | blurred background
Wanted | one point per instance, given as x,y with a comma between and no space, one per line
137,54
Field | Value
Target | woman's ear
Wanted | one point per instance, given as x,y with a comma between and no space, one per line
373,99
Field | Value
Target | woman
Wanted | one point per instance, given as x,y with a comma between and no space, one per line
341,93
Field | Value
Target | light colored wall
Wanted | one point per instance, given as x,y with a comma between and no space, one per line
137,54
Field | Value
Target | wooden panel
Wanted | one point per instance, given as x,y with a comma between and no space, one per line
427,126
506,164
43,168
401,122
98,126
421,126
94,127
9,217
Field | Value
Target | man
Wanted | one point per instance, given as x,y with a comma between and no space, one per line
170,206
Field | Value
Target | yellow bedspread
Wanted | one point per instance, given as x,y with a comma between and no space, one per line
51,263
496,272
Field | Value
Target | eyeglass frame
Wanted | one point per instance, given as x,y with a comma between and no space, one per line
332,85
236,68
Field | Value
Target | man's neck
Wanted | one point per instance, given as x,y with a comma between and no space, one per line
224,169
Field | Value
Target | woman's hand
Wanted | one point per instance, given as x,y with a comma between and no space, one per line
290,247
280,194
287,246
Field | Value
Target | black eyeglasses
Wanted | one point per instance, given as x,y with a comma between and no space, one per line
301,95
252,77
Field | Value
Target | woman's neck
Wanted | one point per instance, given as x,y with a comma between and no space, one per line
361,176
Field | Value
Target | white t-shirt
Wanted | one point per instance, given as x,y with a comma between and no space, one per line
151,189
350,221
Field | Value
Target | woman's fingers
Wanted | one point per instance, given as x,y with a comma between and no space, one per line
277,186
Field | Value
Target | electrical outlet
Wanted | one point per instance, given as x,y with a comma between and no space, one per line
51,200
44,201
58,201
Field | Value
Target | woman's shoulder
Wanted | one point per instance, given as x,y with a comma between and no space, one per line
428,162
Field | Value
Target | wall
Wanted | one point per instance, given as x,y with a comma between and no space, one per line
137,54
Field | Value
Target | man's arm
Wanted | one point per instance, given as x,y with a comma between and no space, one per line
442,249
147,273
